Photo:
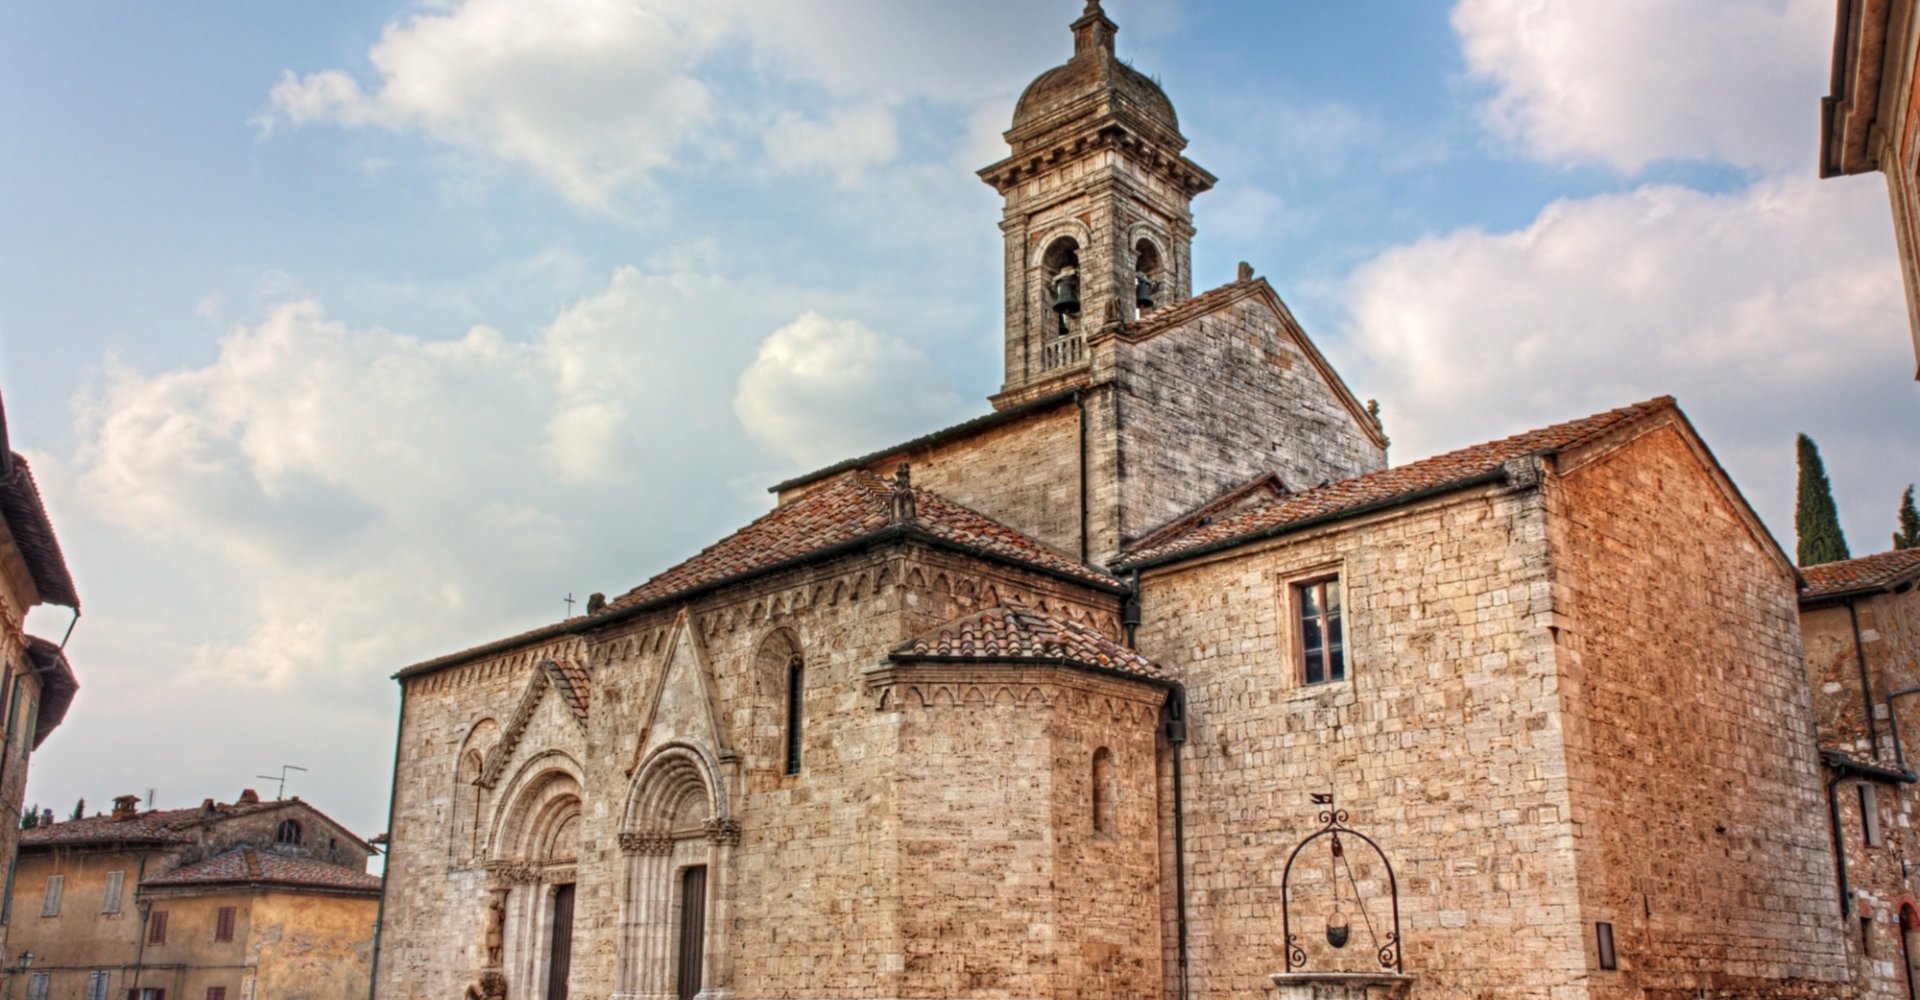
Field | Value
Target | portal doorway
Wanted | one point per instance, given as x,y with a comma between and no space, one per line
560,955
693,932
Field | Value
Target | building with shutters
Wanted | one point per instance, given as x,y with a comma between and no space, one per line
1041,705
247,900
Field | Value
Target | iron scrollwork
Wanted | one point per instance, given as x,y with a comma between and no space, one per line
1333,825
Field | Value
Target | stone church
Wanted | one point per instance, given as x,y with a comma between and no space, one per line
1156,681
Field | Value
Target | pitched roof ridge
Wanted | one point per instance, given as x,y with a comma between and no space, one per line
1395,482
1179,312
1213,506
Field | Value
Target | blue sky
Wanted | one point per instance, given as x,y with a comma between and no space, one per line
345,335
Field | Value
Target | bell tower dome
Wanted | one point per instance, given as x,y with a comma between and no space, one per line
1099,218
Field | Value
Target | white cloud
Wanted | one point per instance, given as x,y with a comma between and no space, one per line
821,388
847,143
1766,312
1631,82
590,94
596,95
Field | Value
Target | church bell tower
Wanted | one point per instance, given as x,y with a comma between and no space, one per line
1099,217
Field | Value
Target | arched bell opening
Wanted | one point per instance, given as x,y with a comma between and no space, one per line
1060,271
677,838
1150,284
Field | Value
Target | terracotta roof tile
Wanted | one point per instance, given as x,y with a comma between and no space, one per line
249,866
161,825
1167,317
26,517
856,505
1867,573
1390,484
1241,496
574,685
1015,632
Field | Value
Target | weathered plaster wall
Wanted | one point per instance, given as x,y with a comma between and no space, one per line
307,947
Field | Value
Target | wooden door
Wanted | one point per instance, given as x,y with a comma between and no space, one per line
560,958
693,931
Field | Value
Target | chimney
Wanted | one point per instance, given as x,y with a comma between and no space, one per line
206,807
125,807
248,797
46,817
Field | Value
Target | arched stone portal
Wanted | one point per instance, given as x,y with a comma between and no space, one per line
532,855
676,822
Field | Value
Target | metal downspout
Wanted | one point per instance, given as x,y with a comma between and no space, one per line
386,866
1839,844
1177,738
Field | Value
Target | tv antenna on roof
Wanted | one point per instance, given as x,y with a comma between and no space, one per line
282,779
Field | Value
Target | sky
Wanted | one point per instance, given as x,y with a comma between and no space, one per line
345,335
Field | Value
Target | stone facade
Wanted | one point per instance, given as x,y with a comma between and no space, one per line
1861,624
1034,716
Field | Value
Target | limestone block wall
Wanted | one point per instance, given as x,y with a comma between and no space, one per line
1209,404
1009,884
1444,744
807,897
1690,736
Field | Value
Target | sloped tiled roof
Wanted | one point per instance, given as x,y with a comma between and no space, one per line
956,432
26,517
1391,484
854,506
161,826
1867,573
1240,496
575,687
1014,632
249,866
57,686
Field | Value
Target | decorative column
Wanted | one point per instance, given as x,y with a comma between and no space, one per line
646,932
723,835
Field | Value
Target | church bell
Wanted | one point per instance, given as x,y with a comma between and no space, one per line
1143,292
1066,295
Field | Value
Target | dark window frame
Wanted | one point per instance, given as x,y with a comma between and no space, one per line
1318,607
157,927
796,714
223,921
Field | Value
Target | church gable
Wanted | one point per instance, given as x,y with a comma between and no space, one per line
565,718
681,707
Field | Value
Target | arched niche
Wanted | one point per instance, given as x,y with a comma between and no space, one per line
469,799
778,704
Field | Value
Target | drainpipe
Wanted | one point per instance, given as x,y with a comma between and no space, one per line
145,906
1177,738
1080,400
386,866
1866,684
1845,767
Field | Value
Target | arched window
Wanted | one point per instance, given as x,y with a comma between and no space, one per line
288,834
796,690
1105,792
1060,270
1149,278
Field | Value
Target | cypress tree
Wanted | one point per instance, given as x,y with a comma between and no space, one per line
1815,519
80,809
1908,537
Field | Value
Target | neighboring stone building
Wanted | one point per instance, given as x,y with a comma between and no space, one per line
1871,120
37,683
225,901
1041,705
1861,622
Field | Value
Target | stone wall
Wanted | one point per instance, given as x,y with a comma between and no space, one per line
1209,404
1444,745
1690,738
804,869
1007,887
1889,630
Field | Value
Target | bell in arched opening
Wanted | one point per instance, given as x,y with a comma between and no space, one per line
1066,294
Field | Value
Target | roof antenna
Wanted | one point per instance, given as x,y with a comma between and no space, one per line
282,779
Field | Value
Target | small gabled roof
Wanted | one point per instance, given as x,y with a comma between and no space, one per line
248,866
165,826
1015,633
1241,496
1866,575
1401,483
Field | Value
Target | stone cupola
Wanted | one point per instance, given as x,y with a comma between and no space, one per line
1099,219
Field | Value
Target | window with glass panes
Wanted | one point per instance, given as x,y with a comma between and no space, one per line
1322,640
